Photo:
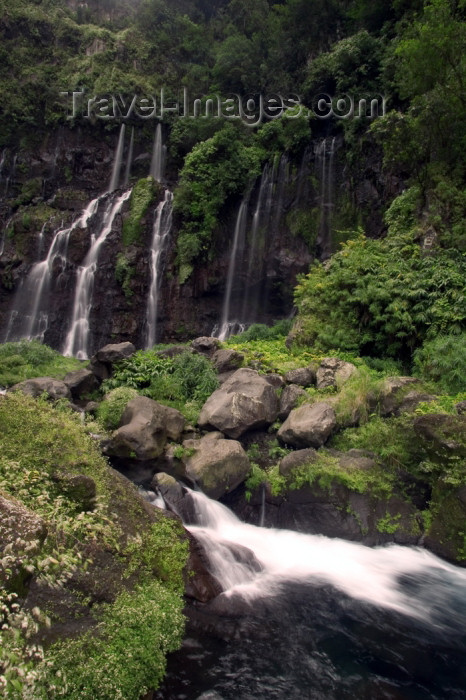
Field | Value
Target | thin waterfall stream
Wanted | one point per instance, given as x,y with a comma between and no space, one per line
77,339
318,618
160,235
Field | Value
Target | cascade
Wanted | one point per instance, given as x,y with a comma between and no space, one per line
115,179
325,152
129,159
228,326
158,155
2,162
320,618
160,235
31,305
77,340
10,175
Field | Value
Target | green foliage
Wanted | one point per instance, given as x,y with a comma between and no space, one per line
259,331
138,371
358,397
45,454
141,197
111,409
326,471
443,361
183,382
381,297
124,273
28,359
215,169
126,658
271,355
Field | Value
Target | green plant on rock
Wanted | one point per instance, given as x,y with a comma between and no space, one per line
124,273
141,197
27,359
111,409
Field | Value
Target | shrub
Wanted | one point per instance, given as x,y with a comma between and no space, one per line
443,361
141,197
259,331
111,408
26,359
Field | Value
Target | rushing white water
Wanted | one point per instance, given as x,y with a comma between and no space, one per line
158,153
129,159
30,312
77,340
364,573
161,233
115,179
227,326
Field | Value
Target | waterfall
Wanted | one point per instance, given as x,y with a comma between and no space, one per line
325,165
31,306
115,180
227,326
367,574
161,232
158,153
10,175
77,340
2,162
129,159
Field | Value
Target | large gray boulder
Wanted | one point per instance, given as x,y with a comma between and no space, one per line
81,382
54,388
333,372
145,428
393,391
303,376
205,345
289,399
114,352
226,360
246,401
218,465
308,426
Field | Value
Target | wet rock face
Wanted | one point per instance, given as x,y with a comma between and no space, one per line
246,401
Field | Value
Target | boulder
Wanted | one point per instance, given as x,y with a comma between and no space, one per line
461,407
226,360
275,380
80,488
392,393
81,382
54,388
289,400
304,376
145,428
411,400
296,459
245,401
443,435
308,425
174,351
218,465
205,345
170,490
114,352
333,372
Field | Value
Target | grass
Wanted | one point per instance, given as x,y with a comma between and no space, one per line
47,465
27,359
